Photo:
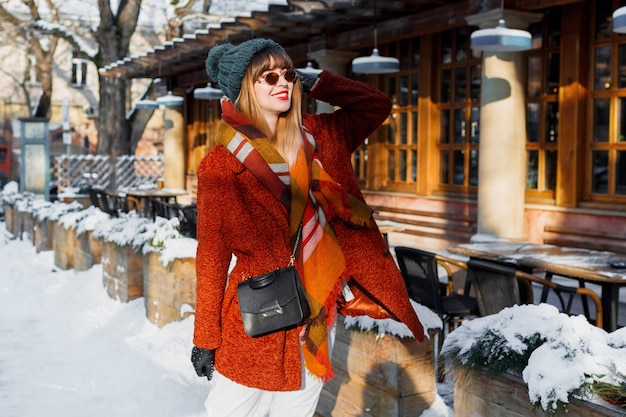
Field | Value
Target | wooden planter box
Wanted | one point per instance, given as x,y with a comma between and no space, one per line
28,224
43,235
378,377
63,246
169,292
481,393
9,213
122,272
87,251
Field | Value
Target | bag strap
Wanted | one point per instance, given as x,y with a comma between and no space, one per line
292,260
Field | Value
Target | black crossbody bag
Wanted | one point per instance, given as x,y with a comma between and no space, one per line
273,301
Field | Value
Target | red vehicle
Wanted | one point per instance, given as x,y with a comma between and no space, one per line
5,163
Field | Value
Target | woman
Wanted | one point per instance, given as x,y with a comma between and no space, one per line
272,170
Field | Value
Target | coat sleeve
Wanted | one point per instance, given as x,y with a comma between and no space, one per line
213,253
363,108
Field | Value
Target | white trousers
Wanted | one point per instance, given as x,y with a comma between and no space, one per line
229,399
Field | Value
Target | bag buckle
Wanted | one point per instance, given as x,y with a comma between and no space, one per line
271,310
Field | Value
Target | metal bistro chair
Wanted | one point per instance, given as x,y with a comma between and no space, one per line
187,215
499,286
419,270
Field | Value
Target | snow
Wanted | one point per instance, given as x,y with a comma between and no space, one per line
573,351
67,349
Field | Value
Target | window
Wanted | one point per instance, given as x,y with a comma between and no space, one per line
79,70
542,108
400,146
459,110
606,138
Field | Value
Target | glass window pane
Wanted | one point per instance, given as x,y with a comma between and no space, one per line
446,47
391,165
416,53
404,54
533,111
552,75
532,170
459,125
444,168
460,87
473,168
458,167
552,122
550,170
604,10
621,119
554,29
404,90
620,173
413,166
391,88
474,125
414,89
602,68
621,67
403,128
445,86
534,76
601,120
445,127
414,132
391,129
600,169
461,42
475,87
402,170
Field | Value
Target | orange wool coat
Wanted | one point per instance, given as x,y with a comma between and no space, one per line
237,215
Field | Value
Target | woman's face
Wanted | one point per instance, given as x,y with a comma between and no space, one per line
274,99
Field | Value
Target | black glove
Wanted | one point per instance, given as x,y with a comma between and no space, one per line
203,360
307,81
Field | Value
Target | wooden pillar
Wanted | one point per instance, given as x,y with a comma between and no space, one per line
174,147
502,149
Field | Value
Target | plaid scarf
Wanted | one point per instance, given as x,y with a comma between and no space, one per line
308,195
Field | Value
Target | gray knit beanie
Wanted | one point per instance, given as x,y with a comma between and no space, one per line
227,64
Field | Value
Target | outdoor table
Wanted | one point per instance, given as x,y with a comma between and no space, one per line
577,263
165,194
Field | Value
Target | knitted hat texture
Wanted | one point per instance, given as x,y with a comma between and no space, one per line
226,64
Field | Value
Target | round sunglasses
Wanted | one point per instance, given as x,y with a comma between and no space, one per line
272,78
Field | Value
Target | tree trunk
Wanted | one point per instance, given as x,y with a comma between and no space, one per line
113,128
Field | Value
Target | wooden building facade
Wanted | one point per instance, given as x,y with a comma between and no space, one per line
425,166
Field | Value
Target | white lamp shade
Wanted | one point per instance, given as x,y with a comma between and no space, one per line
208,93
147,104
619,20
309,70
501,39
170,100
375,64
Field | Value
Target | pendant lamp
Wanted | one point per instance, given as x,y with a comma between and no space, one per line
501,39
170,100
208,93
619,20
375,63
147,104
309,69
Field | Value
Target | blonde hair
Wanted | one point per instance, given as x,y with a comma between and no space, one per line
288,135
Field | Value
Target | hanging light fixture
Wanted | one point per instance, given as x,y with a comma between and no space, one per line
170,100
208,93
501,38
146,103
309,69
619,20
375,63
